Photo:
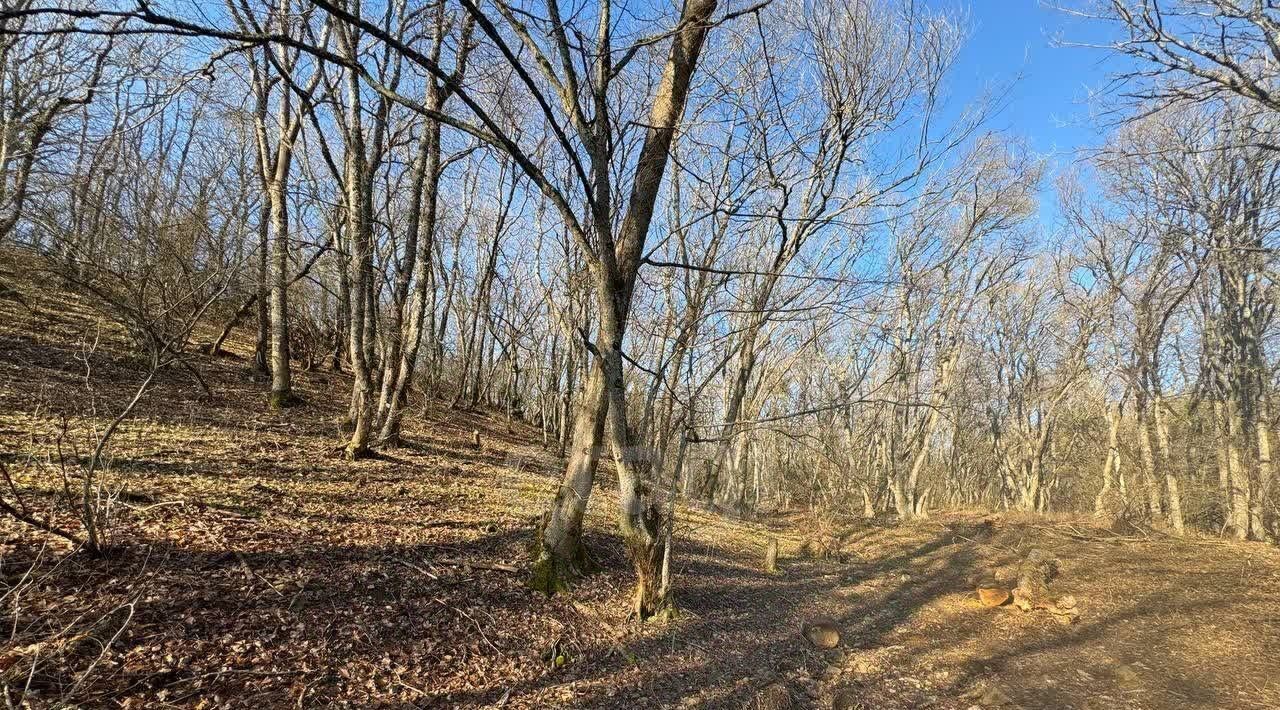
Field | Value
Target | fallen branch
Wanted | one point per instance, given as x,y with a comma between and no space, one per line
510,569
479,629
233,671
1077,534
145,508
415,568
29,519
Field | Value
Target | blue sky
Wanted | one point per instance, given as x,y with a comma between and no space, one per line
1049,104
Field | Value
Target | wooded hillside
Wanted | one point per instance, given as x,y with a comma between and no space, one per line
771,266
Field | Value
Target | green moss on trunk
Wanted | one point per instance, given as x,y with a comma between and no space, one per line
553,571
547,576
282,399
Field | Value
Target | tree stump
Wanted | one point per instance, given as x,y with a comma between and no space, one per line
475,439
991,594
1034,575
771,556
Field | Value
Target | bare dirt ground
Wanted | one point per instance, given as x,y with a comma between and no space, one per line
255,568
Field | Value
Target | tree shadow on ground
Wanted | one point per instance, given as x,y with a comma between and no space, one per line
742,628
219,615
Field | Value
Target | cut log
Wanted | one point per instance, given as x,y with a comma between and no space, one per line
822,634
993,596
1034,575
1064,610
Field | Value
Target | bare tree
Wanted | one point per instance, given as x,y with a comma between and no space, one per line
44,79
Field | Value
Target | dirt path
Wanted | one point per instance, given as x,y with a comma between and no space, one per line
1153,634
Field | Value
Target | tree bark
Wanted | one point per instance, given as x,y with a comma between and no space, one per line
563,556
281,378
263,345
1111,464
1262,490
1149,467
1173,494
1238,481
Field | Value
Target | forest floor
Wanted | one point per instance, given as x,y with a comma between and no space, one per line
256,568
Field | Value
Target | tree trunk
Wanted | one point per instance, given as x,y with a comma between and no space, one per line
1147,450
1172,493
281,379
640,521
1111,465
615,276
562,556
1238,517
422,224
358,186
1221,429
263,344
1262,490
907,496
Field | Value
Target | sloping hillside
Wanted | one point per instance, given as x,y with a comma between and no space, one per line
254,567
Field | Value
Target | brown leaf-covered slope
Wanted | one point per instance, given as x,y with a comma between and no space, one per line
256,568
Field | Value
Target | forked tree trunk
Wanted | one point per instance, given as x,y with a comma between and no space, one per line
274,167
1111,465
422,225
604,400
